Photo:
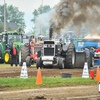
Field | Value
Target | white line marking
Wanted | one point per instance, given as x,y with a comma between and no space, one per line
29,90
83,96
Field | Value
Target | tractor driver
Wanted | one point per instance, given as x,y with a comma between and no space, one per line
31,47
11,41
32,41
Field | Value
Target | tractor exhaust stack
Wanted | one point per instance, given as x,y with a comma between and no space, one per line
50,32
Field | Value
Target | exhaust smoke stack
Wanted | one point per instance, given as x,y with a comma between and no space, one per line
50,32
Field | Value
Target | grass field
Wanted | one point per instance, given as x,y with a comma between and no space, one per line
8,65
4,65
19,83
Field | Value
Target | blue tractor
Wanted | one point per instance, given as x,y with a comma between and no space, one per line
85,53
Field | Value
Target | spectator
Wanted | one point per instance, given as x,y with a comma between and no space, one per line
13,56
98,50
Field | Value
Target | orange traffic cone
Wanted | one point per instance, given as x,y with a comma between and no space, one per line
98,74
39,78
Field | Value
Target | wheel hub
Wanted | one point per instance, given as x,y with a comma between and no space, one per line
6,57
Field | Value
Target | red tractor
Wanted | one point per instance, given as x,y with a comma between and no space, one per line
33,49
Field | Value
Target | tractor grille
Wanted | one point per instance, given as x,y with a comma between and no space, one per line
48,51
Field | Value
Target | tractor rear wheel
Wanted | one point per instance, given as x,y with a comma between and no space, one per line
28,61
70,59
1,60
23,53
38,63
7,57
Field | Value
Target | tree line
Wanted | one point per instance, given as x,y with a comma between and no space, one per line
13,15
36,13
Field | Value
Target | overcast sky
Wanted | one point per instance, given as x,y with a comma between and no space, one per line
28,7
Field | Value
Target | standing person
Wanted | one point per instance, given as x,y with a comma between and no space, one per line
13,56
32,41
31,45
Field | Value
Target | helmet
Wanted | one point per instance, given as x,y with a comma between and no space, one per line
15,31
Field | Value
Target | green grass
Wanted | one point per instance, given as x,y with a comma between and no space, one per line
9,66
5,65
19,83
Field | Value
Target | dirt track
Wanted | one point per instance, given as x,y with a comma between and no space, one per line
58,93
32,72
85,92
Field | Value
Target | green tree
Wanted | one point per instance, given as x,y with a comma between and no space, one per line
1,27
40,10
37,12
32,31
15,16
12,15
9,28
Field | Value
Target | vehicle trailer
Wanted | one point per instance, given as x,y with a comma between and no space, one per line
8,40
85,53
56,53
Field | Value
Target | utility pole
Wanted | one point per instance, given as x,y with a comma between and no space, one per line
4,17
42,12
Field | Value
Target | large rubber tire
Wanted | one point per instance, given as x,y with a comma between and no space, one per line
70,59
38,63
7,57
28,61
23,53
1,60
60,64
91,57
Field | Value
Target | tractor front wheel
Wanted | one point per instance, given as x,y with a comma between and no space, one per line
7,57
28,61
38,63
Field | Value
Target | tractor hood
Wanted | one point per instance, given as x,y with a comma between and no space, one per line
18,43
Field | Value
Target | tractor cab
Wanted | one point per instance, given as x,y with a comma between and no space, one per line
8,38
